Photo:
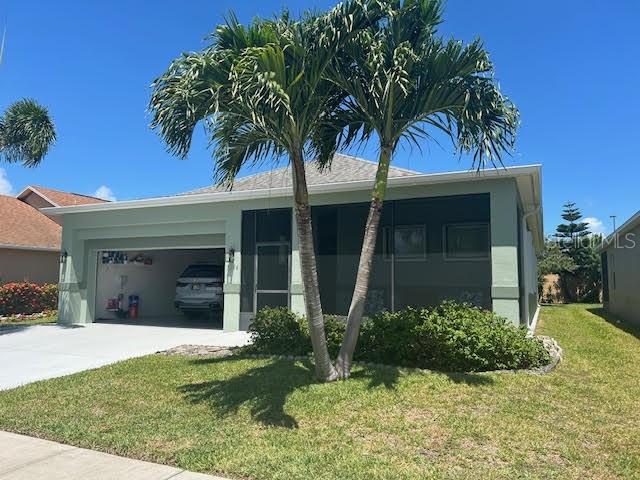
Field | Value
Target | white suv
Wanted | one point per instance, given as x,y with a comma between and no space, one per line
199,288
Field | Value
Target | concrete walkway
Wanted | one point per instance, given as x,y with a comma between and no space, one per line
32,353
27,458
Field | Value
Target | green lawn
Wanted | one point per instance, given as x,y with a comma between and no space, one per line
264,419
22,322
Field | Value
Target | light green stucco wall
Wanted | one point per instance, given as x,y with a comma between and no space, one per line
624,276
219,224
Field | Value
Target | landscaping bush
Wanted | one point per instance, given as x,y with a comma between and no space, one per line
389,338
464,338
50,296
449,337
279,331
27,298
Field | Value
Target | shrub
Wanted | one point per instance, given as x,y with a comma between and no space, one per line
27,298
389,338
449,337
50,296
464,338
279,331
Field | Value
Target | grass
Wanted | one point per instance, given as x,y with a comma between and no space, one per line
26,322
265,419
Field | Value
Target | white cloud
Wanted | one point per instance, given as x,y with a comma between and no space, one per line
5,185
595,225
105,193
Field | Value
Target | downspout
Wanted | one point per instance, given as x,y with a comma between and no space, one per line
531,327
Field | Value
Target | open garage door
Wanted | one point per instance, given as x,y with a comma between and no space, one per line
174,287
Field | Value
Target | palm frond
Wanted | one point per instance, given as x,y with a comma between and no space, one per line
236,143
401,80
26,133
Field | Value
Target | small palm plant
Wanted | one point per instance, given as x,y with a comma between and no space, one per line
400,80
262,94
26,133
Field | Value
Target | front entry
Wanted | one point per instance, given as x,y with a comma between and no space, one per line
272,274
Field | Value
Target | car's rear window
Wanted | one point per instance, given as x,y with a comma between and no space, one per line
203,271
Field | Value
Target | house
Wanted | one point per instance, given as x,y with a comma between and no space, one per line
29,239
461,235
620,257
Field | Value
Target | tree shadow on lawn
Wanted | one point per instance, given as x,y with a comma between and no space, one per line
266,388
388,377
385,376
616,321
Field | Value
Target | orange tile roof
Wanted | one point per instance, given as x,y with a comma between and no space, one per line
24,226
66,199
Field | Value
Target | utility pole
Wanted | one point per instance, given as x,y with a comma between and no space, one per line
4,36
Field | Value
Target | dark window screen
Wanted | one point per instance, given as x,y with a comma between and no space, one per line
264,226
410,267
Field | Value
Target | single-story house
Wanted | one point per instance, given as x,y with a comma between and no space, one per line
29,239
462,235
620,257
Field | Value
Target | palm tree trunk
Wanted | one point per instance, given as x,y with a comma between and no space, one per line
325,370
358,300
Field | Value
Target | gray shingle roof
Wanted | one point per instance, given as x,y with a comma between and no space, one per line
344,168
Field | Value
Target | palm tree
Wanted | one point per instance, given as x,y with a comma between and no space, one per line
26,133
262,93
400,81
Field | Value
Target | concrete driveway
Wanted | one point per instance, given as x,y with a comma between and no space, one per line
28,354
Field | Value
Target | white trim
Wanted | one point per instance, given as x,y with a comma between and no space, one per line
149,249
410,180
10,246
534,322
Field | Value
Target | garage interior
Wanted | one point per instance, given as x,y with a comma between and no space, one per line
151,276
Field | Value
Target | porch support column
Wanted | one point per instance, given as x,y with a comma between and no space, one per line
505,292
72,290
296,291
233,240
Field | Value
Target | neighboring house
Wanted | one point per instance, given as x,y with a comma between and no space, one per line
29,239
620,256
463,235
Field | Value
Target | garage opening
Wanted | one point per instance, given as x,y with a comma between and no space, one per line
172,288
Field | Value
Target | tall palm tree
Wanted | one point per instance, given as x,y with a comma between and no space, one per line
26,133
401,80
262,94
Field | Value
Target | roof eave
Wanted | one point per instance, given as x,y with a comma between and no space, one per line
433,178
29,188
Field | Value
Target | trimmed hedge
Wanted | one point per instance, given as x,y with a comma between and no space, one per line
27,298
449,337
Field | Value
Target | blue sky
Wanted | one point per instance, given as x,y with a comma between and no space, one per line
570,66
